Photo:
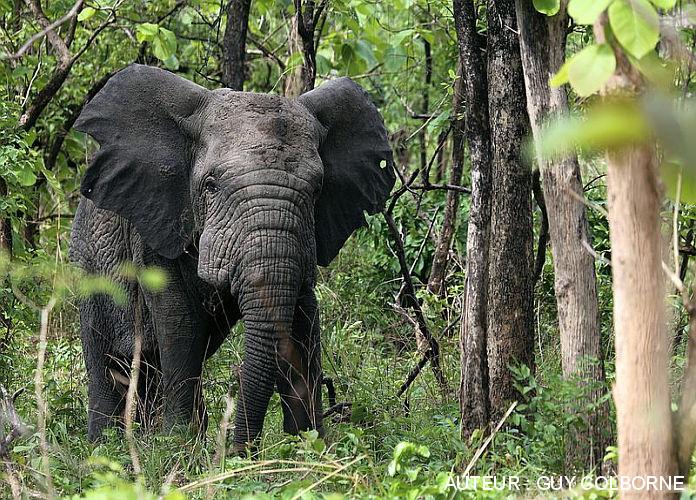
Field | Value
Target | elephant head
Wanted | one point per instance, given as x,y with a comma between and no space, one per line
265,186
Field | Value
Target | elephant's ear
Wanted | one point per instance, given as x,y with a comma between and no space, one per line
358,164
145,122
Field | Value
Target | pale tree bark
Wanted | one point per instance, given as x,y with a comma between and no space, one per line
302,39
510,281
473,389
542,45
641,392
234,44
438,269
292,86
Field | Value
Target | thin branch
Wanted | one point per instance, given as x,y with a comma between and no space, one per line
266,51
133,384
442,187
48,30
61,73
40,400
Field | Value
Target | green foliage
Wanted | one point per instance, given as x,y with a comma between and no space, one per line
635,25
590,68
586,11
605,126
548,7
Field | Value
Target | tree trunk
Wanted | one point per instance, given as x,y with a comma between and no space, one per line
641,391
510,281
438,270
542,44
234,44
293,80
473,390
301,38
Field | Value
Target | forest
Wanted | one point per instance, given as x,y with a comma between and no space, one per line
347,249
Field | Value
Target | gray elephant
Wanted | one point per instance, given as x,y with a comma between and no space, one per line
237,196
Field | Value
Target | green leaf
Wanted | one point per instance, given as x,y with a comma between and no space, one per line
590,68
394,58
605,126
664,4
548,7
561,77
50,178
172,62
86,14
146,32
635,25
671,171
164,44
402,35
587,11
364,50
26,176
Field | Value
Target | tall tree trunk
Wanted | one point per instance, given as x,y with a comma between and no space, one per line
641,392
510,280
542,44
438,270
473,390
234,44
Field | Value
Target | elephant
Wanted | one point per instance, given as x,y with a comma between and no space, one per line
237,196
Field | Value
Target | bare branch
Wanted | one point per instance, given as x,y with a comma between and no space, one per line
48,30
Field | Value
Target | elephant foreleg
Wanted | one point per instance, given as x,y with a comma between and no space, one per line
105,399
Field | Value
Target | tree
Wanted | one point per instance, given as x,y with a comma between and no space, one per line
641,392
652,441
303,39
473,390
510,319
542,44
234,44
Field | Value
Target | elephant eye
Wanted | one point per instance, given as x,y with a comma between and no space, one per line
211,186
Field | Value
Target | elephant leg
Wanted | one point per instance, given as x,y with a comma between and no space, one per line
182,347
182,339
105,399
299,374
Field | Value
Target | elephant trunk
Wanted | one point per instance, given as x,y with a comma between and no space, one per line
267,300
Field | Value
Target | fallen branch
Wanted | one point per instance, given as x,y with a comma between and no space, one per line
433,353
342,409
414,373
488,440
